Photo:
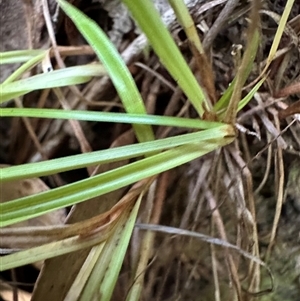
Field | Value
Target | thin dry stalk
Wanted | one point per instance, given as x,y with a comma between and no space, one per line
250,220
217,219
268,166
215,267
280,189
85,146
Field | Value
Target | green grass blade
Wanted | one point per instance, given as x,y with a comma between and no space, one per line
83,275
149,20
109,117
186,21
250,95
114,65
223,102
32,206
247,98
53,166
279,32
25,67
57,78
19,56
103,278
47,251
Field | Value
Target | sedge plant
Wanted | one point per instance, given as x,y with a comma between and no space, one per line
213,129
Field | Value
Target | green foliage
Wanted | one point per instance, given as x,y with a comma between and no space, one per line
160,155
115,66
57,78
163,44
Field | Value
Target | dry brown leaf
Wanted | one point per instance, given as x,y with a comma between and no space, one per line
21,188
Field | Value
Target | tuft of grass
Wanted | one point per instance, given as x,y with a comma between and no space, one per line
111,238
